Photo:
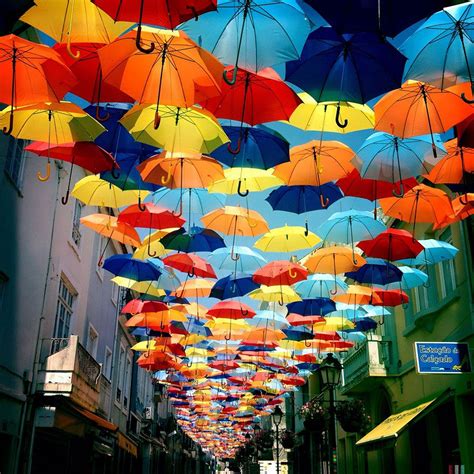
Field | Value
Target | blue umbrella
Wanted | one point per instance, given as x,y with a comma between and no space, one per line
256,147
364,325
411,278
385,157
312,307
387,17
320,285
268,319
198,239
351,67
376,272
435,251
128,267
301,199
232,287
196,326
300,333
441,51
248,260
251,34
145,332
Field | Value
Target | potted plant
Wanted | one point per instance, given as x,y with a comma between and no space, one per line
314,416
352,416
264,440
288,439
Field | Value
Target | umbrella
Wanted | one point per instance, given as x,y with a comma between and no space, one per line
376,271
465,132
299,320
148,288
94,191
198,239
390,298
411,278
191,264
280,272
30,73
77,21
321,116
232,287
231,310
386,157
298,333
335,323
287,239
252,35
268,319
417,108
440,51
197,288
312,307
127,267
320,285
173,71
302,199
158,12
351,67
316,163
150,217
260,147
241,181
136,306
392,244
357,295
387,17
280,294
434,251
242,259
421,204
184,130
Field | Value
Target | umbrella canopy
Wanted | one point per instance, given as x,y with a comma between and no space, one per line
333,260
312,307
232,287
127,267
376,272
191,264
320,285
434,251
411,278
150,216
287,239
239,259
352,67
231,310
280,272
252,35
197,240
197,288
108,226
280,294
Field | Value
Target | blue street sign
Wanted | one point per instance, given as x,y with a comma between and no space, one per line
442,358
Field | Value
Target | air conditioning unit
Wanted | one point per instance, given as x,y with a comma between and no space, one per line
148,413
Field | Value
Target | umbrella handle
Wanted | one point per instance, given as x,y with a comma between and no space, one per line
233,80
306,231
167,179
338,118
244,312
233,256
333,291
402,191
227,338
252,224
47,175
281,302
157,120
293,274
8,130
235,151
191,274
180,213
115,174
465,99
324,201
65,198
141,206
194,11
239,190
305,343
138,42
464,203
102,118
75,55
150,254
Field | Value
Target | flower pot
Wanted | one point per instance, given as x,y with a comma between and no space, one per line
288,443
315,424
351,425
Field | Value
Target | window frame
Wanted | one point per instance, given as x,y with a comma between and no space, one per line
15,153
94,350
76,235
66,301
107,365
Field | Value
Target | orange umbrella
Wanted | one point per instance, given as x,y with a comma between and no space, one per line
177,72
181,170
417,109
262,336
198,288
420,204
463,207
316,163
358,295
299,320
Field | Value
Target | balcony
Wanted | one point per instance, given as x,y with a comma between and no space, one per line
67,369
364,365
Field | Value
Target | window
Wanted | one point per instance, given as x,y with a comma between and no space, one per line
128,374
115,293
92,341
64,310
447,268
101,248
107,366
420,299
15,161
121,369
76,222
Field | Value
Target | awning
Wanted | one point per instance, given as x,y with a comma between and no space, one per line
391,428
98,420
127,444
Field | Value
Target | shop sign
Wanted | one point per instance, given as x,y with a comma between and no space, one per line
442,358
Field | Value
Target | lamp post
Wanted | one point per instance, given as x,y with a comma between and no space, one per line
277,416
330,372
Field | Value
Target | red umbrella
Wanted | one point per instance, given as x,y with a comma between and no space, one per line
372,189
231,310
165,13
254,98
299,320
280,272
151,217
465,132
191,264
141,306
223,366
88,72
392,244
390,298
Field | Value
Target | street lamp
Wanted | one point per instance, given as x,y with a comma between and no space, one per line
277,416
330,371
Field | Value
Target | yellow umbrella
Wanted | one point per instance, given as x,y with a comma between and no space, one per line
325,116
292,345
224,324
155,248
145,287
356,295
335,323
191,339
94,191
243,180
184,130
287,239
193,309
279,293
78,21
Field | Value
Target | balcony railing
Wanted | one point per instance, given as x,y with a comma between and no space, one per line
68,369
364,364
